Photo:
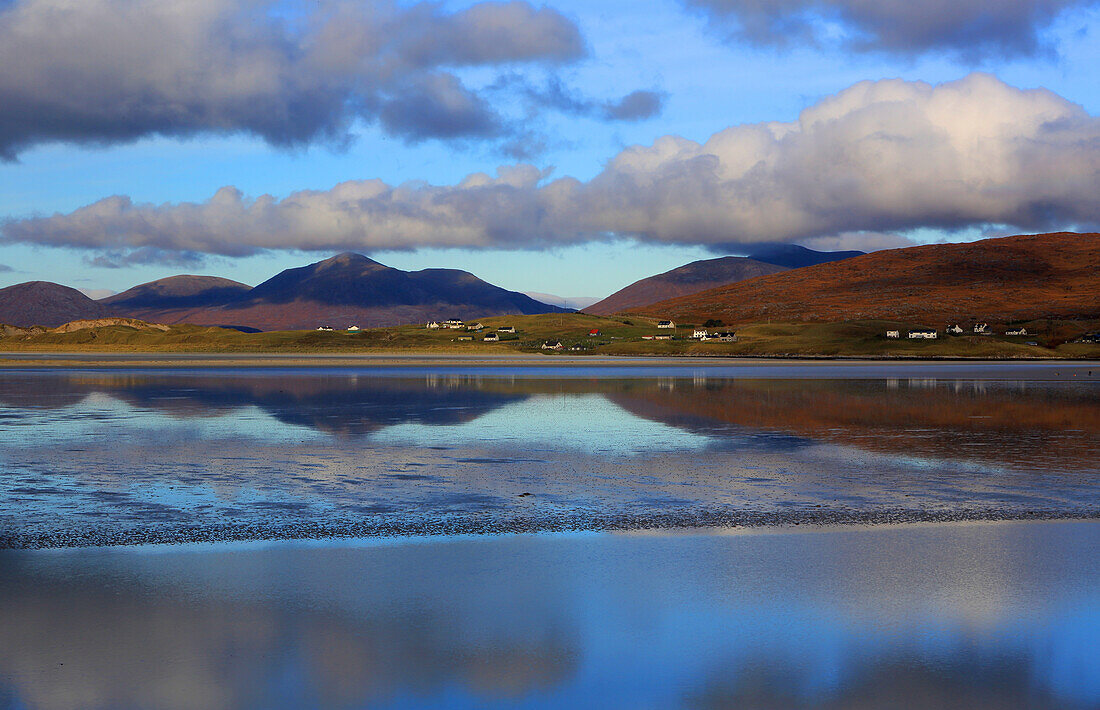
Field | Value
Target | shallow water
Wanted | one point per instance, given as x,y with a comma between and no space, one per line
93,456
976,615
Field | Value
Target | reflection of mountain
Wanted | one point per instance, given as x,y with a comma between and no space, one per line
1049,427
70,645
339,404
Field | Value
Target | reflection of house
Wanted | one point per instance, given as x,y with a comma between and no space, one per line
893,334
982,329
1018,331
491,338
353,329
922,333
432,325
699,333
665,324
552,345
955,329
506,329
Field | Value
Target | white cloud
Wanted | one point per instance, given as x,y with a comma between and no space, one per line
854,170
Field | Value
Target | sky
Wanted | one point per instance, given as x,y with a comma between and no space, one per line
568,148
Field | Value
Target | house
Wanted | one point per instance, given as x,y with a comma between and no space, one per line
662,337
699,334
1088,338
432,325
725,336
353,329
324,327
982,329
1018,331
647,337
893,334
593,333
475,327
955,329
506,329
924,333
453,323
552,345
665,324
491,338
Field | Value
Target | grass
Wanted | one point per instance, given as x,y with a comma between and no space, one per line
617,336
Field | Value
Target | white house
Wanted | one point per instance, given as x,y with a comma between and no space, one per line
955,329
353,329
491,338
662,337
725,336
665,324
700,334
549,345
893,334
506,329
432,325
1019,331
982,329
453,323
324,327
475,327
923,333
647,337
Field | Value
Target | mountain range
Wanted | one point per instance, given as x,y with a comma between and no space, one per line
1003,280
347,289
711,273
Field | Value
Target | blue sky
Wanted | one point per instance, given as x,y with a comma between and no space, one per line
707,80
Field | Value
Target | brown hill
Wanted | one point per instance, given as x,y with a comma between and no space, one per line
46,303
174,299
690,278
998,280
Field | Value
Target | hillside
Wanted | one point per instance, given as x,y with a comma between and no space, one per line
173,299
793,256
46,303
352,289
1002,280
690,278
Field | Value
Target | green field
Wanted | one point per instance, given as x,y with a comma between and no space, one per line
618,336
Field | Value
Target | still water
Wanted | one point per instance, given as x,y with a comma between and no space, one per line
947,615
110,456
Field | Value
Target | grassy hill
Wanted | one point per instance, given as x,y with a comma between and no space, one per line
1001,281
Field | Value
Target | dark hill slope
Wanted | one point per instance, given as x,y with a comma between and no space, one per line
350,289
46,303
171,299
690,278
794,256
998,280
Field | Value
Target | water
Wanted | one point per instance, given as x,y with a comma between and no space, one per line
129,456
975,615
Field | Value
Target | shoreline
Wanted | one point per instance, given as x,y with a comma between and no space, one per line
698,518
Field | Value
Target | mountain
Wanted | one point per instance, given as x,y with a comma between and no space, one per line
46,303
1001,280
793,256
577,303
690,278
174,298
350,289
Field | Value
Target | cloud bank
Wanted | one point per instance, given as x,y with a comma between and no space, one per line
874,160
971,29
107,71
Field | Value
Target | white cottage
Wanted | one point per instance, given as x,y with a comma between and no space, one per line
923,333
893,334
665,324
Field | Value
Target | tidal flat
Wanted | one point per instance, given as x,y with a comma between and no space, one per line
616,535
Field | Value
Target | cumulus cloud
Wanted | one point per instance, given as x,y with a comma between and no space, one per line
971,29
854,170
105,71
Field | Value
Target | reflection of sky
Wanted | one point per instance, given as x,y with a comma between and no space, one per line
982,613
587,422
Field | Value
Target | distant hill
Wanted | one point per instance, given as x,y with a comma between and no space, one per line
46,303
348,289
690,278
793,256
174,298
575,302
997,280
